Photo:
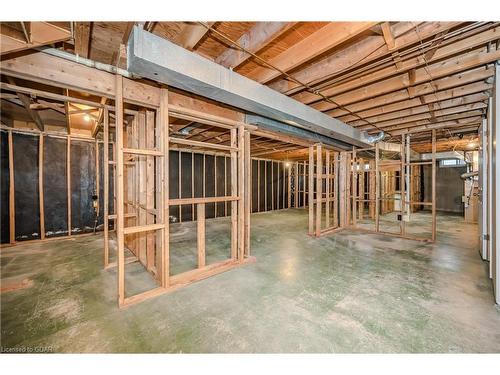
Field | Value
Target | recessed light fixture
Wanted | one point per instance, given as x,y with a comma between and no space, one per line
86,117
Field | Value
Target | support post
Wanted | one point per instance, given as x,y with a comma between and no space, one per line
327,187
311,190
296,185
361,191
234,192
306,185
433,185
68,181
106,185
248,192
241,192
163,128
354,186
119,190
200,217
12,205
150,189
342,199
377,188
402,186
40,187
335,189
319,188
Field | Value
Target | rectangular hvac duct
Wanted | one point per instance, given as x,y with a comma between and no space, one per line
158,59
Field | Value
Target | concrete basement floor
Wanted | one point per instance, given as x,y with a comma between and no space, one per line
347,292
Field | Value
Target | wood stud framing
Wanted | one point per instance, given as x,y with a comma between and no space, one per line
334,185
133,183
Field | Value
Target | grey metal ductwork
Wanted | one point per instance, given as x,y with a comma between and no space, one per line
442,155
156,58
372,139
465,176
282,128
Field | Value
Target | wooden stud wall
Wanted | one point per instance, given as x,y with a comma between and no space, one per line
326,177
137,217
41,199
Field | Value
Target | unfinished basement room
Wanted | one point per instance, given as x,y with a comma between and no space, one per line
250,187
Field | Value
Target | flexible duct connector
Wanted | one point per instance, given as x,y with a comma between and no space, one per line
373,138
465,176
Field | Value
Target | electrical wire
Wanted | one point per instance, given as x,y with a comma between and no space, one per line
282,72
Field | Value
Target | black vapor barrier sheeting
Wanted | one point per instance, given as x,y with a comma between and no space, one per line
83,186
27,203
255,185
210,185
55,192
55,189
173,183
4,188
195,175
269,183
186,184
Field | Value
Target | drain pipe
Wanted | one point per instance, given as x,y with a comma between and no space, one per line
84,61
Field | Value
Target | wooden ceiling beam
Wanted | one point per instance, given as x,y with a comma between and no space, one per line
410,106
448,124
421,76
50,70
391,43
43,104
83,31
192,34
418,65
37,33
425,108
115,59
326,38
275,150
26,100
452,120
254,40
437,85
362,52
431,116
